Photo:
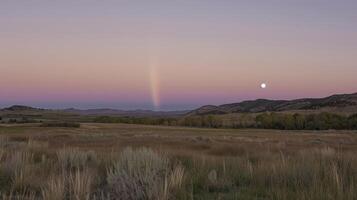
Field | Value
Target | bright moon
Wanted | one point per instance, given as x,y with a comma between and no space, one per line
263,85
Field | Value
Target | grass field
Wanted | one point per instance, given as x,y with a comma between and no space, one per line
122,161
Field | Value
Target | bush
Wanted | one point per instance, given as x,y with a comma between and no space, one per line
139,174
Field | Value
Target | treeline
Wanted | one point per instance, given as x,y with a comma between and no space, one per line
61,124
193,121
283,121
21,120
137,120
321,121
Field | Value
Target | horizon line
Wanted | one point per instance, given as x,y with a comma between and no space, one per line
166,110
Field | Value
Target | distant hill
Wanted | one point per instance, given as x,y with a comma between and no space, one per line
21,109
264,105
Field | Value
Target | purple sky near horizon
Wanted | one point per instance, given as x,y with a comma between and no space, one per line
172,55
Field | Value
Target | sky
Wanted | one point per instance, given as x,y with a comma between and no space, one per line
174,55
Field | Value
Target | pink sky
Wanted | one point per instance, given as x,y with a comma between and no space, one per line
174,55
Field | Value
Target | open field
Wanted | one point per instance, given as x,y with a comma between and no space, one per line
119,161
191,140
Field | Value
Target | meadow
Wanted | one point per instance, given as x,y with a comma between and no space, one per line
125,161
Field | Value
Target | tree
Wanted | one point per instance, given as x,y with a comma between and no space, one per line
300,121
264,121
352,121
289,122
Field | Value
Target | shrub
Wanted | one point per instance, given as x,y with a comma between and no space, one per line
138,174
70,158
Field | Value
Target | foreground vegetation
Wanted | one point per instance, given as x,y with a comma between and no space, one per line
33,166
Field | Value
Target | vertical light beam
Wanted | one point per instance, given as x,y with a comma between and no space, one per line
154,81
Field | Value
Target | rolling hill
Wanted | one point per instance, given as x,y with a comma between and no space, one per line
264,105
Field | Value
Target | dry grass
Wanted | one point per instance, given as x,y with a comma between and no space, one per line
35,144
80,184
55,188
18,165
24,195
76,164
4,140
71,158
176,178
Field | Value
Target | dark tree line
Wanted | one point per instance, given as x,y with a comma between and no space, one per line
137,120
284,121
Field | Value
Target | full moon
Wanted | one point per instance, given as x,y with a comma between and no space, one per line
263,85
